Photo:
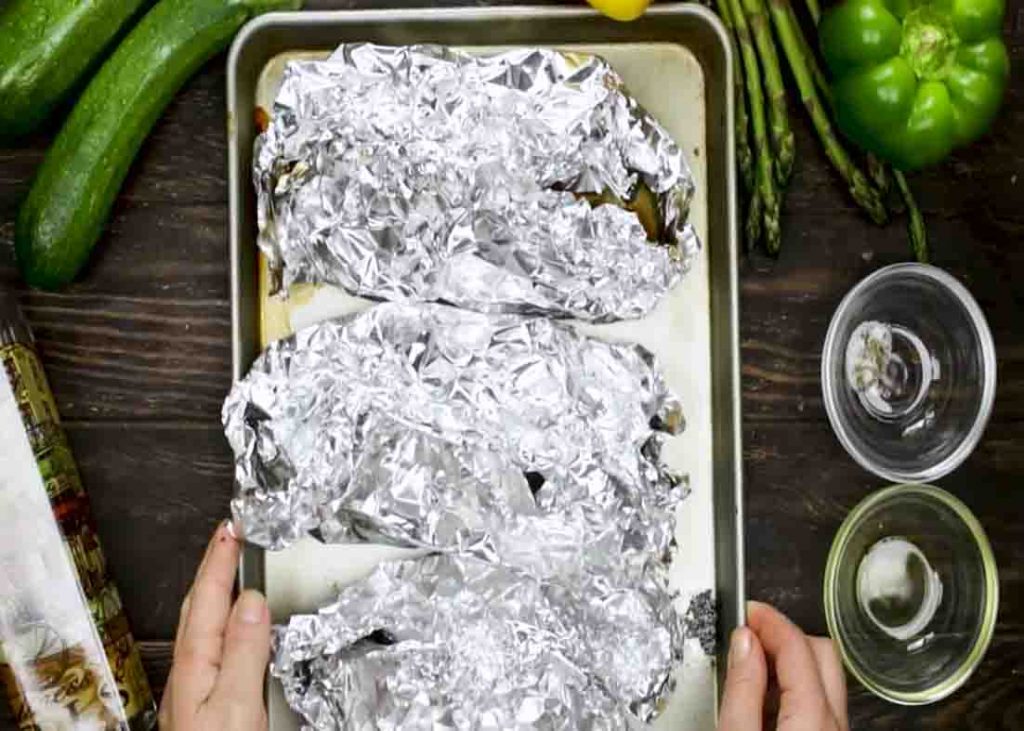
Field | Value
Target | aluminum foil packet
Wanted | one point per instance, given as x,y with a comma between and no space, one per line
511,437
527,181
453,642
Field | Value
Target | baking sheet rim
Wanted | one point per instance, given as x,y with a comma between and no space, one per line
244,304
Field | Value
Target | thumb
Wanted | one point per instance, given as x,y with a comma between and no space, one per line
246,652
746,681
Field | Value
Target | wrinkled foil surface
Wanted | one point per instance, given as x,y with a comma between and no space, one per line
523,453
452,642
422,173
425,425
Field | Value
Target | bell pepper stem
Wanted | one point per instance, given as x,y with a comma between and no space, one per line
860,188
744,156
916,230
766,202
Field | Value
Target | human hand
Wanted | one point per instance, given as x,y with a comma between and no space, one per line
221,652
810,683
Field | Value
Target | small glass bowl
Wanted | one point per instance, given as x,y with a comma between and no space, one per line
911,593
908,373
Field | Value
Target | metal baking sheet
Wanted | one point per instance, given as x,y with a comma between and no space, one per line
675,60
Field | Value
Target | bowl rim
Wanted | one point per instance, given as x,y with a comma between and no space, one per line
965,669
988,353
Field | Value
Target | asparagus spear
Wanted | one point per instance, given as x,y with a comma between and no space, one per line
752,225
766,193
878,171
815,10
781,134
744,157
861,190
915,221
820,80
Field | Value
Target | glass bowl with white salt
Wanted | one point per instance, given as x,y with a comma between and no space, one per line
909,373
911,593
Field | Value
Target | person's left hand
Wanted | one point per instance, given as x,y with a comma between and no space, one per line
221,652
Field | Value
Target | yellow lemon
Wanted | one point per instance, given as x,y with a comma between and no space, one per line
621,9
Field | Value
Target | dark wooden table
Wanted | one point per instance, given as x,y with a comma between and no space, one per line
138,353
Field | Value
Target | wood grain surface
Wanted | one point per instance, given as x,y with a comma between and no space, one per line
138,352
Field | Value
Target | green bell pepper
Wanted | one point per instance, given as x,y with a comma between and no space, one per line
912,79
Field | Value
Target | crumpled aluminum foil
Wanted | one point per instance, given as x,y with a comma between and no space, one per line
526,456
423,173
423,425
453,642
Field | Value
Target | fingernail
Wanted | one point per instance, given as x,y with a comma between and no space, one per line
226,531
739,646
252,607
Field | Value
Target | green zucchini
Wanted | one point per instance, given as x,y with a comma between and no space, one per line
46,48
78,181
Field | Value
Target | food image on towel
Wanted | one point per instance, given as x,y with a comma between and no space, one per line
450,641
513,438
528,181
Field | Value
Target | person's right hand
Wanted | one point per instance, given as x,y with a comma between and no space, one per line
810,682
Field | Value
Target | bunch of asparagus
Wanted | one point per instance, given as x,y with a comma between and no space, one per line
765,150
